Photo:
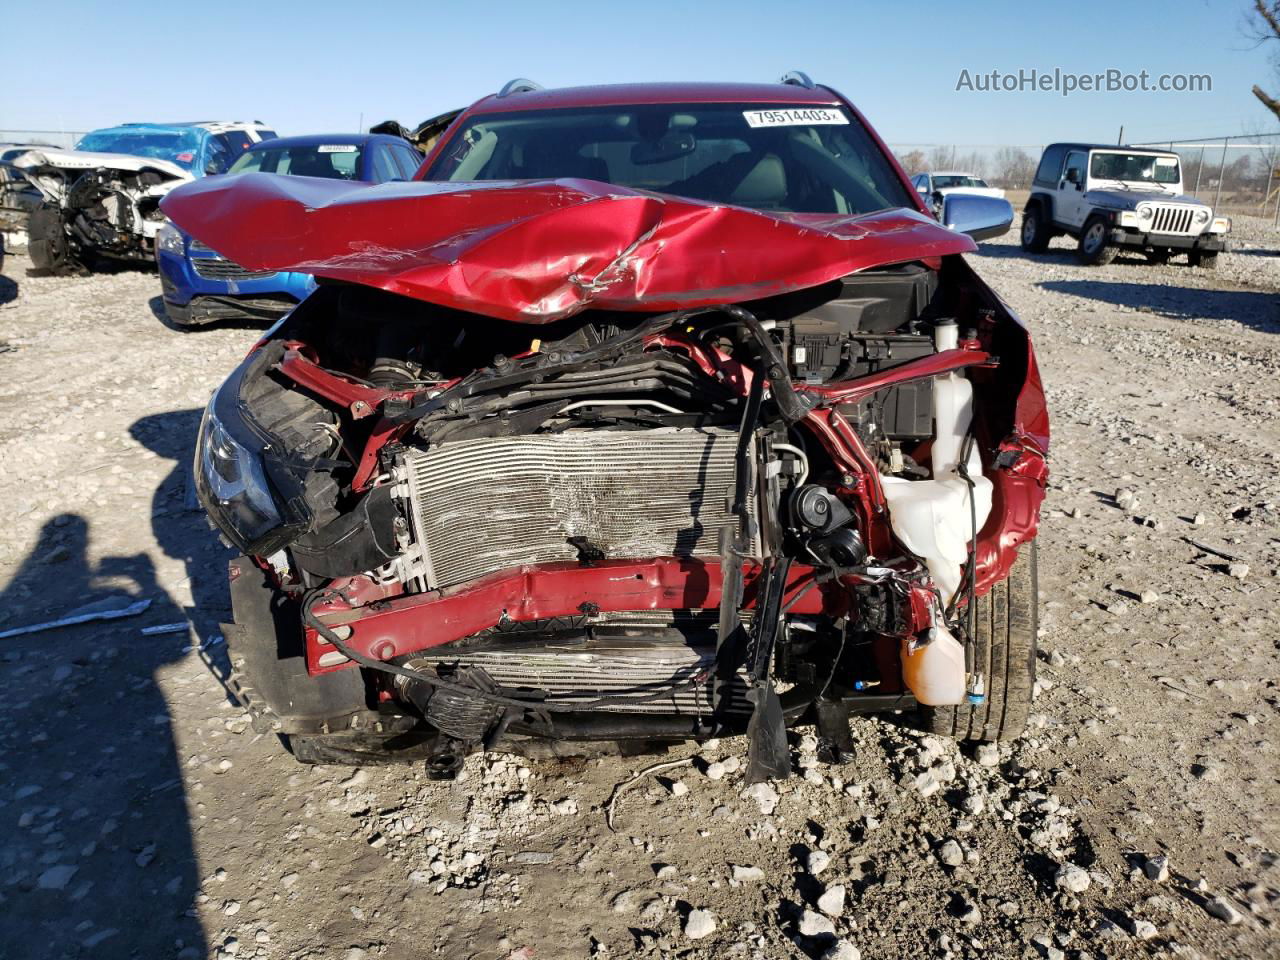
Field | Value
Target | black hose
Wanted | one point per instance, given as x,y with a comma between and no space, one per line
789,404
971,574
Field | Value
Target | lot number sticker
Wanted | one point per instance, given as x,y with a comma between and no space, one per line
337,148
795,117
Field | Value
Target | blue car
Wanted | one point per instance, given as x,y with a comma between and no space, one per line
199,286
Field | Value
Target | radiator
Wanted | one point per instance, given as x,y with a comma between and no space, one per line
488,504
631,668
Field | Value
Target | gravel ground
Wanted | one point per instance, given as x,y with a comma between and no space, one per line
142,818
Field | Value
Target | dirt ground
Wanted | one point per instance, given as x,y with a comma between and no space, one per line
141,817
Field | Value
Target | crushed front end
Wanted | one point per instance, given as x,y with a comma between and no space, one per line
601,524
93,206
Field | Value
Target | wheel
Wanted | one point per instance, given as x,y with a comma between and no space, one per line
1035,230
1206,261
47,242
1006,624
1158,256
1094,248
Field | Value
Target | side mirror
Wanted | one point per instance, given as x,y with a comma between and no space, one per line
1073,175
980,217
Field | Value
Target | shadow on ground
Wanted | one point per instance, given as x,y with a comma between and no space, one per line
1257,309
97,852
97,855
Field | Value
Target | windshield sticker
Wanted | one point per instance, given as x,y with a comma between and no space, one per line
795,117
337,148
1166,161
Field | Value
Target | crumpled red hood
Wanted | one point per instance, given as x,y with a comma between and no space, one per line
537,251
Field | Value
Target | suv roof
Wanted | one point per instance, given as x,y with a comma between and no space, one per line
1106,146
626,94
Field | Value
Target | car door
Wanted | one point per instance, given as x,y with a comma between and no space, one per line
1070,207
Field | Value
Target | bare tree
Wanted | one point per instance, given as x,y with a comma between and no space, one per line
974,162
1264,25
913,162
1014,167
942,158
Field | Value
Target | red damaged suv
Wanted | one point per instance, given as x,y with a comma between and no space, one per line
643,414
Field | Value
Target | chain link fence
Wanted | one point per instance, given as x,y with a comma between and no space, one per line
1237,175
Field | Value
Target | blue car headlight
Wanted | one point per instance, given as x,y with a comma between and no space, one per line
169,239
249,489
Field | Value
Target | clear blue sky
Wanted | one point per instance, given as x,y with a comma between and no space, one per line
320,66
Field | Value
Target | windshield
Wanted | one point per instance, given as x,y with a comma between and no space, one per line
333,161
180,146
1134,167
784,158
942,181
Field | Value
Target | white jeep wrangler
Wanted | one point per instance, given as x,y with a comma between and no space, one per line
1113,197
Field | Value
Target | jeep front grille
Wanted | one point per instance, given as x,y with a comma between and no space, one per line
488,504
1172,218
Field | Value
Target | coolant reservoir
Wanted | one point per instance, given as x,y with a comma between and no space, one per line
934,671
933,518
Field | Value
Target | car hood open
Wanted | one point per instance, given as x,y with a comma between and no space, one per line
538,251
89,160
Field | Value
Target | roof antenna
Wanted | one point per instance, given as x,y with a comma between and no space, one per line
797,78
1120,139
518,85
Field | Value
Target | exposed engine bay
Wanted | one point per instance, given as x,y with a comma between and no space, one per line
93,206
624,525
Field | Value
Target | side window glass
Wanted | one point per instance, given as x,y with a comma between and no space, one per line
1074,171
384,167
217,156
410,161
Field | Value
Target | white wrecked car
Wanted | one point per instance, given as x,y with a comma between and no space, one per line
101,201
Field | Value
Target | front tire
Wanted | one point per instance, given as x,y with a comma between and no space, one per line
1035,231
1095,248
1006,624
1206,261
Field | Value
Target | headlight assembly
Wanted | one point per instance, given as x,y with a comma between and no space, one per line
1202,215
249,490
1144,213
169,239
